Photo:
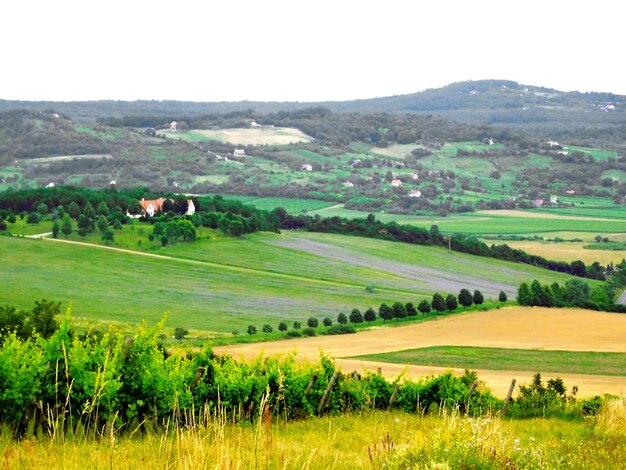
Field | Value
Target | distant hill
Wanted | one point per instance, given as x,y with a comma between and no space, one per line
494,102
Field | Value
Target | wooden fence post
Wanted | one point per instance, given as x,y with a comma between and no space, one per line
333,379
310,386
393,395
469,395
505,406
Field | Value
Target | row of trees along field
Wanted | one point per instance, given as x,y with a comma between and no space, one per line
396,311
372,228
91,383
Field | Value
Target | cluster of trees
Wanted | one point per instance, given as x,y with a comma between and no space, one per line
107,208
372,228
574,293
40,321
169,232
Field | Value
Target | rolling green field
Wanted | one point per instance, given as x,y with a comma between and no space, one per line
564,362
483,224
223,284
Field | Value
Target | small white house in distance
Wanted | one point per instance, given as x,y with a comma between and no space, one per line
113,183
552,143
239,153
348,184
554,200
307,167
415,193
415,176
396,183
538,202
254,124
570,191
191,208
173,126
50,185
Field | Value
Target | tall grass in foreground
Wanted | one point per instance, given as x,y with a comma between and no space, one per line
374,439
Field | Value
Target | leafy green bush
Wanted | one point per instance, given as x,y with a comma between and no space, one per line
341,330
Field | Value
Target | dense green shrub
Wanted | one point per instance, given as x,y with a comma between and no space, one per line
104,380
341,330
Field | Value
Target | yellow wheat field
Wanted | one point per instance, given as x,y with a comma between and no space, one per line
513,327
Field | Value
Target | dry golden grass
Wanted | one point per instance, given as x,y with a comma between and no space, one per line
537,215
566,251
395,150
513,327
256,136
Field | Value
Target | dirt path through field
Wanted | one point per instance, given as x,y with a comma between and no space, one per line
432,279
513,327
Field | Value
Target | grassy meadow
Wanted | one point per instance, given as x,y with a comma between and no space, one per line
393,440
572,362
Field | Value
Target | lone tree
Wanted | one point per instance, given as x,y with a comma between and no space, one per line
56,228
282,326
180,333
411,311
296,325
398,310
451,302
502,297
327,322
478,297
438,303
267,328
465,298
342,319
385,312
312,322
369,315
424,307
356,316
66,224
251,329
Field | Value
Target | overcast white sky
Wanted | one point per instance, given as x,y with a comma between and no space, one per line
302,51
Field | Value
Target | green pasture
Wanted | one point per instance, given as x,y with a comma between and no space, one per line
111,135
291,205
221,284
451,148
615,212
484,224
105,284
20,227
598,154
564,362
617,175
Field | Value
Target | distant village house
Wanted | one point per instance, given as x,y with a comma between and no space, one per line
239,153
152,206
415,193
173,126
307,167
348,184
538,202
396,183
554,200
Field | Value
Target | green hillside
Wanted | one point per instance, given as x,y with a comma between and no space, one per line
224,284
